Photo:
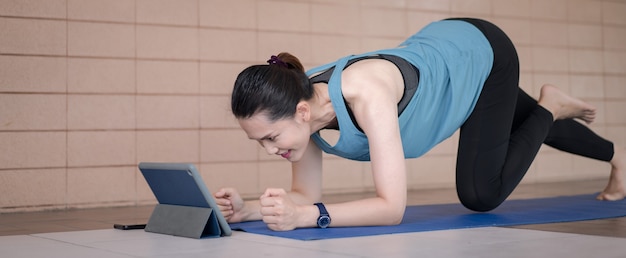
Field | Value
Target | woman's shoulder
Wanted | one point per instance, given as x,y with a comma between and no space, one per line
371,76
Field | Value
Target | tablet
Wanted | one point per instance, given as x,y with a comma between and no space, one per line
181,184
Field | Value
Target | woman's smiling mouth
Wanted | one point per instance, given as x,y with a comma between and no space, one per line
286,155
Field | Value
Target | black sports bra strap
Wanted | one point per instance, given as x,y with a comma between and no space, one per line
409,72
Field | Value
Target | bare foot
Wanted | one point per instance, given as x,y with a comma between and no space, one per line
616,188
563,106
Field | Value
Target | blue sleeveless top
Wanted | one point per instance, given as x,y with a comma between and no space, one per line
454,59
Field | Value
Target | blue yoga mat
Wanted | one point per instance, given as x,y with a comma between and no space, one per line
455,216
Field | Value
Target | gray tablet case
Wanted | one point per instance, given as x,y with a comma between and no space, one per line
186,206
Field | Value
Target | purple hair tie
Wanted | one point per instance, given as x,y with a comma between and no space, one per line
274,60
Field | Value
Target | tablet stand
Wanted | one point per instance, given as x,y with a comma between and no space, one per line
186,221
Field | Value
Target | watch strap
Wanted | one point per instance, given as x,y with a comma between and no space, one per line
322,208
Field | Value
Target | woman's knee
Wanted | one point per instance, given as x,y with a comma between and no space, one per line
477,203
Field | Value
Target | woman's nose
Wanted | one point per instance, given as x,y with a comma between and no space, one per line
270,149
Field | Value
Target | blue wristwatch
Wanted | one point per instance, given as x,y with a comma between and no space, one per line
324,219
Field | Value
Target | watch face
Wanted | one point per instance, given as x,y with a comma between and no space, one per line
323,221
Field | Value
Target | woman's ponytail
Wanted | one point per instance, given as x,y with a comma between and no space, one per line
291,61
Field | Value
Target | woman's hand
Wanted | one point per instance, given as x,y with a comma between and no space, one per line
230,204
279,212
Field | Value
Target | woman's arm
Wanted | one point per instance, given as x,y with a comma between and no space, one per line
373,88
373,91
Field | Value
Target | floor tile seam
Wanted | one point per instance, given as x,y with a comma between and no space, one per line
565,234
82,245
308,248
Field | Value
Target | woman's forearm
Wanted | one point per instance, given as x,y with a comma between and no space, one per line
366,212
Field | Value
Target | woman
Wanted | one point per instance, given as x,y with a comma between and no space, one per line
398,103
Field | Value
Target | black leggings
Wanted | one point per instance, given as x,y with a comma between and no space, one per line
502,136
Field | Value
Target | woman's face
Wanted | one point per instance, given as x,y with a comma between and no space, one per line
287,138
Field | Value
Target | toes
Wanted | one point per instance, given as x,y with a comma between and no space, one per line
609,197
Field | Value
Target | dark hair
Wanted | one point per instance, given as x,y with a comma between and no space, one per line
271,88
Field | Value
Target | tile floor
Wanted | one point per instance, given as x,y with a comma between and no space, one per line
89,233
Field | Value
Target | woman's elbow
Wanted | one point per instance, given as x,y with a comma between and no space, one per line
397,220
395,216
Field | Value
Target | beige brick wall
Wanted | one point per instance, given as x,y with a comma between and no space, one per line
89,88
